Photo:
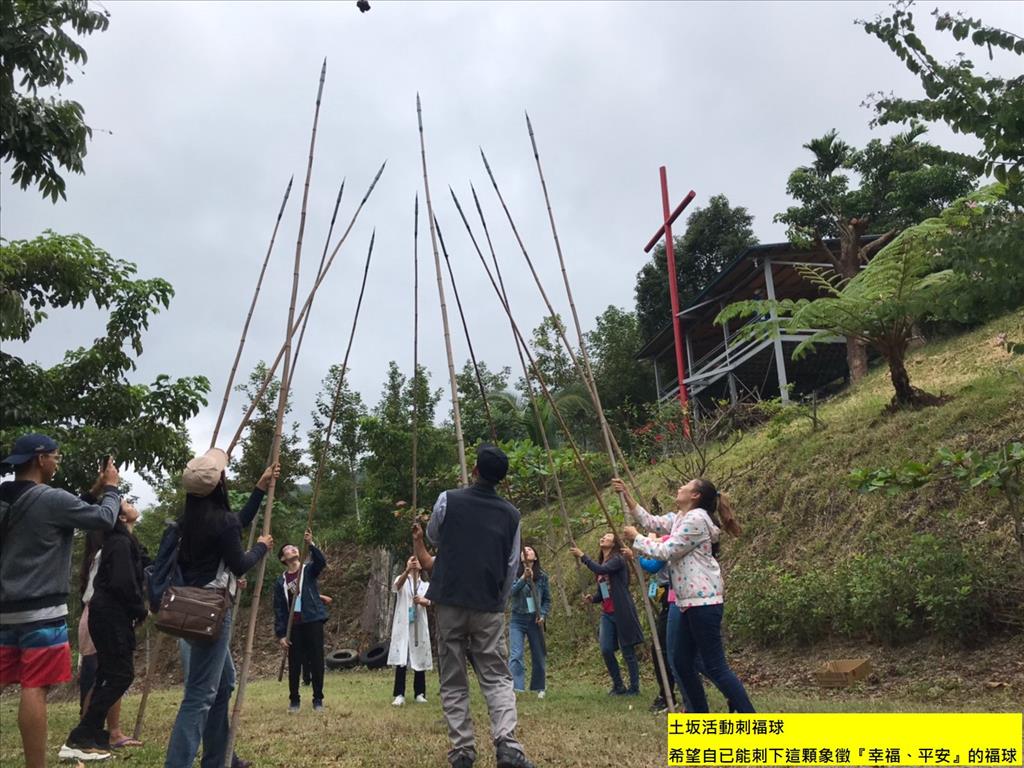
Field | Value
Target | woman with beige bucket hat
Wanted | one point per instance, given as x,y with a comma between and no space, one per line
210,555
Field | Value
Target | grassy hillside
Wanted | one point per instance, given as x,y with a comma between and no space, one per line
820,561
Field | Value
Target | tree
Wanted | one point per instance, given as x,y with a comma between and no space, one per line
624,384
989,108
714,236
39,134
902,182
260,435
550,355
86,401
338,489
573,404
881,305
387,466
475,427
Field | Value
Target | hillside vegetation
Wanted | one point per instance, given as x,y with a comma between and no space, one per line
819,560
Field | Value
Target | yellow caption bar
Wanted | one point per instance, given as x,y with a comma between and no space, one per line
894,739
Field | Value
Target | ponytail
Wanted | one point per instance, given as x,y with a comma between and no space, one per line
725,510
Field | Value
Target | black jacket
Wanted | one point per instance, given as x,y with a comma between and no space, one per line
118,584
206,545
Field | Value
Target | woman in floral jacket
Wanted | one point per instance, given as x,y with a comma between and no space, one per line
696,623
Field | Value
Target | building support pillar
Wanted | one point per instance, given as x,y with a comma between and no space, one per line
780,358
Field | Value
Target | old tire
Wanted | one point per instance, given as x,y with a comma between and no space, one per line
345,658
375,657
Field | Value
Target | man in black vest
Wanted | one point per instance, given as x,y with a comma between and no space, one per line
477,536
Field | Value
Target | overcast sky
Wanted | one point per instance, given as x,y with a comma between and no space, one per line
201,111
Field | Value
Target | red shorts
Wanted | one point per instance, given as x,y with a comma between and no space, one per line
35,655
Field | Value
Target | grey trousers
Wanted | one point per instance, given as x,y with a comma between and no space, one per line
483,636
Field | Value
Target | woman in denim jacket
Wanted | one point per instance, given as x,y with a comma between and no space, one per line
530,601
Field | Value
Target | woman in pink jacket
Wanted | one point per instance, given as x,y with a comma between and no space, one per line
695,624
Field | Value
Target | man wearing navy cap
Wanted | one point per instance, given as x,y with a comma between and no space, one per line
477,535
37,525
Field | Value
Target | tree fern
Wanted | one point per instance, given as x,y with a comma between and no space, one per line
883,303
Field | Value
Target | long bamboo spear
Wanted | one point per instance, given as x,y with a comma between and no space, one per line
591,382
416,345
559,329
241,344
605,431
530,392
148,681
318,479
662,668
275,450
302,313
552,468
456,417
319,270
415,399
469,342
158,645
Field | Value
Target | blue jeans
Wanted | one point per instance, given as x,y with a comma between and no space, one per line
524,626
203,715
696,638
608,640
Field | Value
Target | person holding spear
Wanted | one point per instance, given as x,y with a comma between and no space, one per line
530,604
410,633
298,587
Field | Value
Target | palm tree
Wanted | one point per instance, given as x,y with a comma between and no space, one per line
572,403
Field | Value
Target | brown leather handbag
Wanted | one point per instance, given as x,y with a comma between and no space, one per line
193,613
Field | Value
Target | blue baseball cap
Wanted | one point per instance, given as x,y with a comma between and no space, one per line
28,447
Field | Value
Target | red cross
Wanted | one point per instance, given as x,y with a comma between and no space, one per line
665,230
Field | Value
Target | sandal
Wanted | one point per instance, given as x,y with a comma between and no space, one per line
127,741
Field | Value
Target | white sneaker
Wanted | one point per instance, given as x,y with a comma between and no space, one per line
421,699
84,753
398,702
540,694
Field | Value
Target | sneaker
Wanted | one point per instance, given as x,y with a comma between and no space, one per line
421,699
631,692
540,694
293,708
617,690
511,758
237,762
398,702
318,706
659,705
462,762
83,748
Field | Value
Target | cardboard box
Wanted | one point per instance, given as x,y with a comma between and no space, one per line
839,673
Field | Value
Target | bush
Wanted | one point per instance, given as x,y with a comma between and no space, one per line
921,585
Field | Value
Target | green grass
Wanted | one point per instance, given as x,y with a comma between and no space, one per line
576,725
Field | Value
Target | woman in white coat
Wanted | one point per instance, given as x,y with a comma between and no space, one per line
410,633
